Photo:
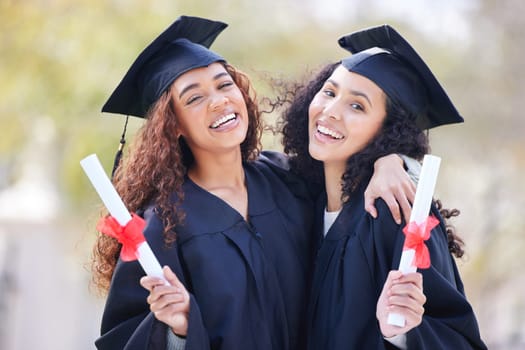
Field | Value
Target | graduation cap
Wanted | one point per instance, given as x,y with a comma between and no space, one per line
382,55
183,46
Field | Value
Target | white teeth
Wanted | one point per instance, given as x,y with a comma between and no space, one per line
222,120
325,131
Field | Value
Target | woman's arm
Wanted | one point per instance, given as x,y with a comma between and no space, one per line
394,185
448,321
128,322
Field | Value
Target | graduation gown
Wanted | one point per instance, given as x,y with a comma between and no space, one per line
247,280
351,267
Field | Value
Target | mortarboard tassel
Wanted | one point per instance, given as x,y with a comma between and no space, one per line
118,155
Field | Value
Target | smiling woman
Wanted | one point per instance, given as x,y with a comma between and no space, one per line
233,237
231,226
377,101
344,116
211,111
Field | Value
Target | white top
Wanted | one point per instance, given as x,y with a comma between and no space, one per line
329,218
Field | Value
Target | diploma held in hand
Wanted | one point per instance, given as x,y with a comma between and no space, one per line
415,253
127,229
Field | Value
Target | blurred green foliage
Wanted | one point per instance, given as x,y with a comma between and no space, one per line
61,59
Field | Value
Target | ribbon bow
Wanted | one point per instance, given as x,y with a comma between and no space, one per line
130,235
415,235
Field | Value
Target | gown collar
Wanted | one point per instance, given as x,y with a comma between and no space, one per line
345,222
209,213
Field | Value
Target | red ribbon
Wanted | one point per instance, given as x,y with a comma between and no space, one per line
415,235
130,236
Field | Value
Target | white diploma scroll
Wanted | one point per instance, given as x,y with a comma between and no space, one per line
420,211
118,210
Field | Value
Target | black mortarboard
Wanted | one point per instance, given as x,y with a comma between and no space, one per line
180,48
385,57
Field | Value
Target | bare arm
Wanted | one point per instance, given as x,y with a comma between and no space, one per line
394,185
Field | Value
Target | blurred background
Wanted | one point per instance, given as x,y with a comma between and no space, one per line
60,60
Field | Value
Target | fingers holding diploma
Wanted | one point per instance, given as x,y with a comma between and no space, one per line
402,294
170,303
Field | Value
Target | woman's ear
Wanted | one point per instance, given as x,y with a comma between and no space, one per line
179,133
178,130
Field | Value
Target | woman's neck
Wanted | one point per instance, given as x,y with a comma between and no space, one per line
223,176
212,171
333,184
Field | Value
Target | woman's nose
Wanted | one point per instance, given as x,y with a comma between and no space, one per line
217,101
332,110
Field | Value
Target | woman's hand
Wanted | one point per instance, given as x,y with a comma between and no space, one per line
392,183
169,303
402,294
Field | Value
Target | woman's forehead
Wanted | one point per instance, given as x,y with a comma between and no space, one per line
198,76
207,72
352,81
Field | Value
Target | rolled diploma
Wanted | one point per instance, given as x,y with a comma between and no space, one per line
420,210
118,210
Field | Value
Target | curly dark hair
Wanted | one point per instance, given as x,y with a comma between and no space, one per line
154,170
399,134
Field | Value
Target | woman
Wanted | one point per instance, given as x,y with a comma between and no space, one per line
376,102
232,227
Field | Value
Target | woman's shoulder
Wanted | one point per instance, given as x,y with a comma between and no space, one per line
276,168
385,232
273,166
153,224
275,160
384,215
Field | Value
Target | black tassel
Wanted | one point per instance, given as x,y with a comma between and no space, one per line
118,155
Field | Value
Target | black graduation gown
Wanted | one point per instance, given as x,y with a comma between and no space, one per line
351,266
247,281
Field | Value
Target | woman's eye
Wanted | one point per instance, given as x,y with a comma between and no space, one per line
193,99
225,84
357,106
329,93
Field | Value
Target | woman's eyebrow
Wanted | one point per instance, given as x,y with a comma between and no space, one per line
192,86
362,94
189,87
333,82
220,75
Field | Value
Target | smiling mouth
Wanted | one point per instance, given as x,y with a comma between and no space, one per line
323,130
223,120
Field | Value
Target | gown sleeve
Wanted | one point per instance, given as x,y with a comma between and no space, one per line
412,166
449,321
127,322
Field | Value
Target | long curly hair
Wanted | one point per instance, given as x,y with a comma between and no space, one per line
399,134
154,170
